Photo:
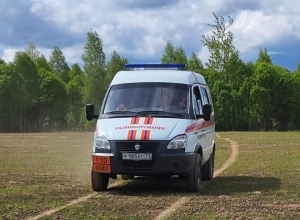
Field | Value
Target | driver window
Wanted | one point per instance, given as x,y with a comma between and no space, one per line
197,101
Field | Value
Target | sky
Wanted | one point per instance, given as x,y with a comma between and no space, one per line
140,29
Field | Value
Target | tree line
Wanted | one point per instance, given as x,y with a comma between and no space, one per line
40,95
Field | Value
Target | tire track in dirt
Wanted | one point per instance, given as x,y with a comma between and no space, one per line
73,202
182,200
165,213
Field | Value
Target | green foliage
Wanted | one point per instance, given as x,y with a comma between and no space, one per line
32,52
115,64
94,69
220,44
180,56
173,54
52,99
58,64
75,95
93,54
2,61
75,71
37,95
263,57
43,63
169,53
11,101
195,64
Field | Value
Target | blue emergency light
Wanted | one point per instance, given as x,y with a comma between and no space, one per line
155,66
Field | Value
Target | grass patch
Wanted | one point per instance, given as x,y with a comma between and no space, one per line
42,171
222,153
46,170
263,183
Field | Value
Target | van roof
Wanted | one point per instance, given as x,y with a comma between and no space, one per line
168,76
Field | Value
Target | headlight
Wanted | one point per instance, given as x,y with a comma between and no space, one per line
178,142
101,142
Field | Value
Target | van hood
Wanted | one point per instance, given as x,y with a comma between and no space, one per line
141,128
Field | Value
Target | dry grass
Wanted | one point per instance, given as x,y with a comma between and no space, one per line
42,171
142,198
263,183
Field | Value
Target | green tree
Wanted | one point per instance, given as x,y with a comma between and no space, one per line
263,57
169,53
180,56
52,100
75,71
94,69
75,97
195,64
26,68
220,44
2,61
296,95
43,63
115,64
283,101
262,93
93,54
11,100
58,63
173,54
32,52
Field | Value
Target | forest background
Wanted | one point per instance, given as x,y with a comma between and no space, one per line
37,95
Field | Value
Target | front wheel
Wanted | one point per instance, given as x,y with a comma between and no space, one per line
194,179
99,181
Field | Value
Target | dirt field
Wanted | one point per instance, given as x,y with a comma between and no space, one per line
39,172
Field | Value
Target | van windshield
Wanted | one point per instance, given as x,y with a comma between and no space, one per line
164,99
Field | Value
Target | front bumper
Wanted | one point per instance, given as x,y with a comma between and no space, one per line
164,161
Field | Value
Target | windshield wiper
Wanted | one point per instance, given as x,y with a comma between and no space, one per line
159,113
145,113
120,112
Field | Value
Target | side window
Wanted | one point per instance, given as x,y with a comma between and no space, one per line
197,101
204,96
195,104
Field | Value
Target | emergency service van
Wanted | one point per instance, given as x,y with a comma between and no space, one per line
155,119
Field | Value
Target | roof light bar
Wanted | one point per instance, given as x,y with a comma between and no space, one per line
155,66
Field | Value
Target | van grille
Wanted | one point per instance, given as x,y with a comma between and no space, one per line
146,147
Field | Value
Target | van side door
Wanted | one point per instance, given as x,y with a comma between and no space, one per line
209,130
199,132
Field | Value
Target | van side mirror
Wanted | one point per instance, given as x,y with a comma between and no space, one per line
207,110
89,112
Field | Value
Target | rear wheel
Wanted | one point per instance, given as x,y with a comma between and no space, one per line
99,181
194,179
208,168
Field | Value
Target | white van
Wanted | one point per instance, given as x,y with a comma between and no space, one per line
155,120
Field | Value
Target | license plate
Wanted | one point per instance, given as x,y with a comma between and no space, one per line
101,164
137,156
101,160
101,168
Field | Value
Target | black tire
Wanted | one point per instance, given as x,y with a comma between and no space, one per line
99,181
208,168
194,179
